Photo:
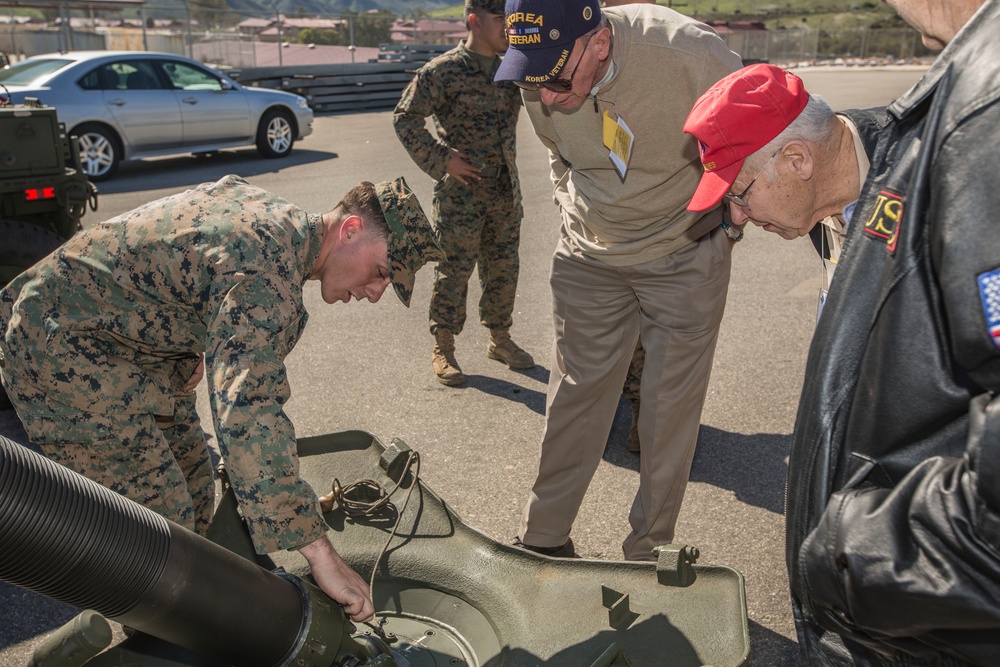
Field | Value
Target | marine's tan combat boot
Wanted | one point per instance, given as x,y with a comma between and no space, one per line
502,348
445,367
632,444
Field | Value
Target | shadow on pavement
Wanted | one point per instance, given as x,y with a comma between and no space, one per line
745,465
191,170
26,615
733,461
532,399
769,649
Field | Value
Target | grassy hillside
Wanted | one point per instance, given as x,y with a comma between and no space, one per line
775,14
807,14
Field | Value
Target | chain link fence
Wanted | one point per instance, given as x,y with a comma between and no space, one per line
220,37
229,39
815,46
358,62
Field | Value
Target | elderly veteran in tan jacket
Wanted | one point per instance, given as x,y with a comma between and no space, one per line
607,92
102,345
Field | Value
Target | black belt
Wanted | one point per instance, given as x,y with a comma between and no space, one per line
492,172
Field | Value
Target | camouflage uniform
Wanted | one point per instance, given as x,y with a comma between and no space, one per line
633,383
634,378
98,340
476,222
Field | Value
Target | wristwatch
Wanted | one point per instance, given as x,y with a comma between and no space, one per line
732,231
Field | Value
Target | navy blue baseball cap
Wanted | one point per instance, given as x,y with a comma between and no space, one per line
541,34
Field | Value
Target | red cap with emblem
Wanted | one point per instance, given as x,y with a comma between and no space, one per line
737,117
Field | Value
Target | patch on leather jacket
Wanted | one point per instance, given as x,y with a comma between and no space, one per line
883,224
989,293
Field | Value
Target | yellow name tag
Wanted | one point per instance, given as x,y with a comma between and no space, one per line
618,139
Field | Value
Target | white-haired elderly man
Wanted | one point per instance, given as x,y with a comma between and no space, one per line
781,158
893,503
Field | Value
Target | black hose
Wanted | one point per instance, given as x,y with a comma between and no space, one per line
73,540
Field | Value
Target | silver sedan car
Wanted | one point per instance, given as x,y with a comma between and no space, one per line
126,105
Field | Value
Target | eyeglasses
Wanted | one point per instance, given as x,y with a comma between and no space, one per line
741,199
559,85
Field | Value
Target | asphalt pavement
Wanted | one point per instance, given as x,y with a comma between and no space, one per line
363,366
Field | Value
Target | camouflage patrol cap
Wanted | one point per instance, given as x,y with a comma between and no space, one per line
489,6
411,241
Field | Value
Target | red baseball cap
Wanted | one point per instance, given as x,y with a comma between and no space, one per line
737,117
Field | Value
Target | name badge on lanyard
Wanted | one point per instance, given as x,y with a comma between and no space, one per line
618,139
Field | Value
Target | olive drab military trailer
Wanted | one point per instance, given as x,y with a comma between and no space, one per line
445,594
43,190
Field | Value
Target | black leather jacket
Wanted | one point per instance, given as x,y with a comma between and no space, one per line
893,508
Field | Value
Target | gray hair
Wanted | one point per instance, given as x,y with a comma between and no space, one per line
815,124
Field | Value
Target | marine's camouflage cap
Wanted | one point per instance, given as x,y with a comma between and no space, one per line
489,6
411,240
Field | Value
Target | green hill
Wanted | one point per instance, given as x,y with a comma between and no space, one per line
776,15
807,14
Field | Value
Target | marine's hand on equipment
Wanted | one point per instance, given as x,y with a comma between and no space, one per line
338,580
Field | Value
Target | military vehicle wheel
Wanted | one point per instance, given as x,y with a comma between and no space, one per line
24,245
100,150
275,134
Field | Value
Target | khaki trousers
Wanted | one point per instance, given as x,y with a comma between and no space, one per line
599,310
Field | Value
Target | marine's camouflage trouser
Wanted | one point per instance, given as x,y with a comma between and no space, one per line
475,223
159,463
634,378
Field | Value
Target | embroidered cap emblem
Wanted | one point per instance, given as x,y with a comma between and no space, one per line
587,13
553,34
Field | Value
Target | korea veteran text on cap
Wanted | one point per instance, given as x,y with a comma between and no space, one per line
541,34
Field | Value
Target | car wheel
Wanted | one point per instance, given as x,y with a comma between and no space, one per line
275,134
100,151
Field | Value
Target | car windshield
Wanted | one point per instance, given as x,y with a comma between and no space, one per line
27,72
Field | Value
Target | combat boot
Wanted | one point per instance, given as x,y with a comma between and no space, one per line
502,348
632,444
445,367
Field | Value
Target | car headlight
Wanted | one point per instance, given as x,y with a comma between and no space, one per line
301,101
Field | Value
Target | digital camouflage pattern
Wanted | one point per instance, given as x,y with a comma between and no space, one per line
633,379
411,239
164,466
99,338
479,222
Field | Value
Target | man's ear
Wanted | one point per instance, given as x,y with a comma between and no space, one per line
602,42
799,158
351,228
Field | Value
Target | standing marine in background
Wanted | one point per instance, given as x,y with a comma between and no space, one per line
477,195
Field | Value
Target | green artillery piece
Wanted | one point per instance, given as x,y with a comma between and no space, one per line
446,594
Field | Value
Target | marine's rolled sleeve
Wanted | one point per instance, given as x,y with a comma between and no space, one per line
259,321
419,101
